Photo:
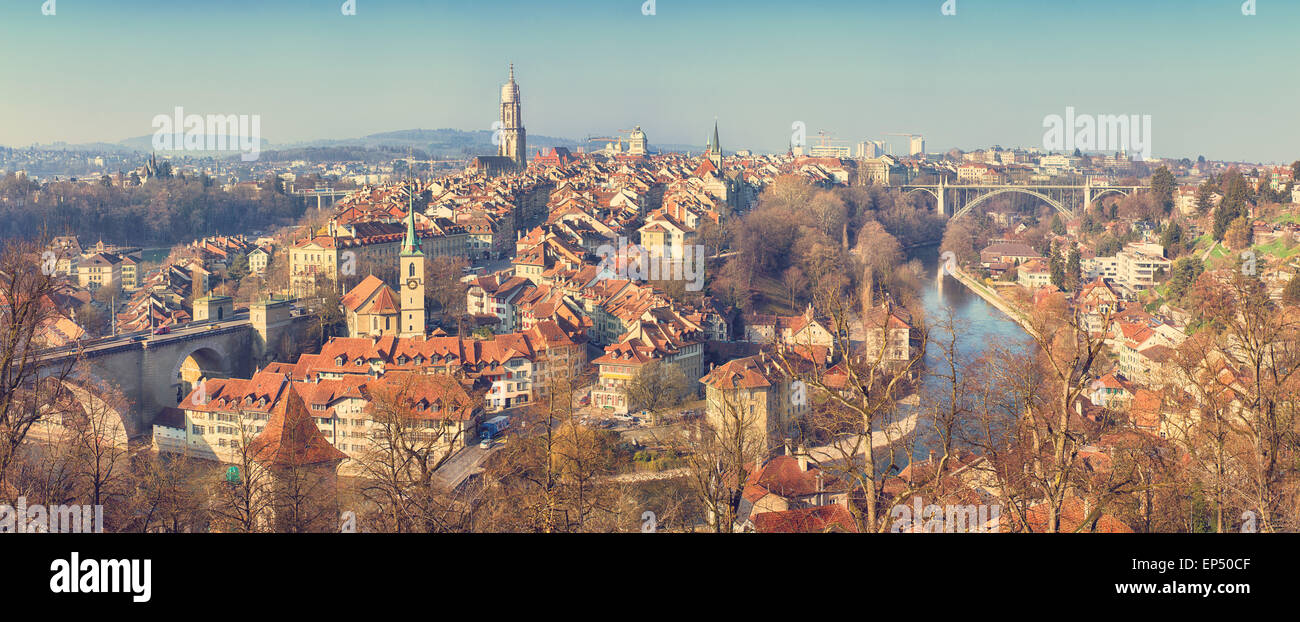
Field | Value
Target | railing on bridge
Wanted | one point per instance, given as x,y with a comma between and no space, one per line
958,199
183,330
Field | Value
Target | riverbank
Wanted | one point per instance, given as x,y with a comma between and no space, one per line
991,297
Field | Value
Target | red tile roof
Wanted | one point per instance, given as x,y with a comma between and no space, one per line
291,438
743,373
1072,516
783,477
819,519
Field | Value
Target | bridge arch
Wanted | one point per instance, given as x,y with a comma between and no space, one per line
984,197
927,190
84,402
938,200
205,360
1098,193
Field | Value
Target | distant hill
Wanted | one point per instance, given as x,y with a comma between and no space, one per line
422,143
439,143
145,144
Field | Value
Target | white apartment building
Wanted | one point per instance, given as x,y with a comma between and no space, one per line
1133,269
1105,267
1137,269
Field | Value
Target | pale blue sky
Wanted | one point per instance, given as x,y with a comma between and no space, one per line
1215,82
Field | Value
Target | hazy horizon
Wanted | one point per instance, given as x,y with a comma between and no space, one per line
986,76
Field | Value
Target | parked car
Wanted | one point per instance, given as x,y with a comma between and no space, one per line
485,444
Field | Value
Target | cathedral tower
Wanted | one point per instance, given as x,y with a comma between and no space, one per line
715,150
513,138
411,277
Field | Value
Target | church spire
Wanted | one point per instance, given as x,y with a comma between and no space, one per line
411,246
715,148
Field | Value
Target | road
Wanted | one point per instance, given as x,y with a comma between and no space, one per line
463,464
648,476
146,337
493,265
879,440
1206,254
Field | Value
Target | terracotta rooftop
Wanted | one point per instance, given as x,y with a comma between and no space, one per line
819,519
291,438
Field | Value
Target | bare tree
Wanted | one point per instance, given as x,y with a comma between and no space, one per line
658,387
26,313
795,282
409,441
861,398
727,445
240,494
169,495
1258,342
551,477
92,417
1033,428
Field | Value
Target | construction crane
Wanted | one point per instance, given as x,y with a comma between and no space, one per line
613,144
826,146
910,138
637,143
825,139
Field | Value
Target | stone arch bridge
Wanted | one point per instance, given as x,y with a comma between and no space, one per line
156,371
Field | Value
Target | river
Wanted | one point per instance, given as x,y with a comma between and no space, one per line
978,322
979,325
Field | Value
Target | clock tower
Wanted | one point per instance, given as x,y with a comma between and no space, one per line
411,277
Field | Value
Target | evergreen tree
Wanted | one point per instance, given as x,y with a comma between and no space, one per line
1073,271
1238,235
238,267
1057,268
1058,227
1236,195
1162,189
1184,273
1204,198
1172,239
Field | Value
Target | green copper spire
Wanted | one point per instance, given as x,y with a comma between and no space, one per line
411,246
717,147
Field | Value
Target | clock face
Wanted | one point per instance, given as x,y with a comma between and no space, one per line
412,283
